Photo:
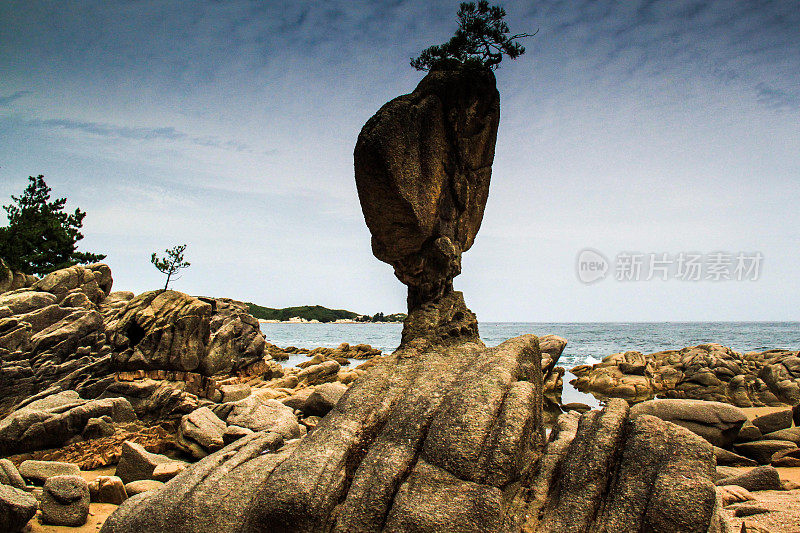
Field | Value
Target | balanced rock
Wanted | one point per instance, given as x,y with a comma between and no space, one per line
423,164
65,501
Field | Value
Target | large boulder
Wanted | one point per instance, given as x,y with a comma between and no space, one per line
9,475
94,281
17,507
39,471
615,473
423,164
260,415
65,501
760,478
782,375
718,423
236,338
165,330
53,420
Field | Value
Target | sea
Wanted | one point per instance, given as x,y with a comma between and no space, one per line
588,342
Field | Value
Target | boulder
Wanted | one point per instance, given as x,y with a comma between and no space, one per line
65,501
734,494
748,433
136,463
143,485
200,432
762,451
718,423
236,339
258,415
759,478
789,434
786,458
9,475
776,421
53,420
728,458
298,400
233,433
94,281
17,507
165,471
39,471
107,489
423,185
782,375
97,427
165,330
323,398
235,392
629,474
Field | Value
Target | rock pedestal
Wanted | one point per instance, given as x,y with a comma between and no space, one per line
423,164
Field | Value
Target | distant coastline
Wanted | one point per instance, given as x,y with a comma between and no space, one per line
315,314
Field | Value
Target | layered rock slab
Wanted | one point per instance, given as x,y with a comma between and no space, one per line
426,422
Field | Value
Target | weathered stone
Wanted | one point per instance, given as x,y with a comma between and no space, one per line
65,501
728,458
166,471
200,432
759,478
94,281
96,428
233,433
789,434
620,474
235,392
258,415
160,330
786,458
107,489
136,463
423,165
52,420
734,494
774,421
748,433
716,422
323,398
17,507
9,475
236,338
762,450
39,471
143,485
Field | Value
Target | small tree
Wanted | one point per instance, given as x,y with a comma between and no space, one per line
171,263
480,40
40,236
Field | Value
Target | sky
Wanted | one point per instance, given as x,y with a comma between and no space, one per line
628,128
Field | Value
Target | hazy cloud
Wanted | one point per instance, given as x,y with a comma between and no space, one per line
6,100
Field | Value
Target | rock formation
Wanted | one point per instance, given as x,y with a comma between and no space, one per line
423,164
445,434
704,372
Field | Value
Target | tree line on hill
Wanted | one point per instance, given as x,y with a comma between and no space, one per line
317,312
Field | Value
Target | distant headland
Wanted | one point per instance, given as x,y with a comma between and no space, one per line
317,313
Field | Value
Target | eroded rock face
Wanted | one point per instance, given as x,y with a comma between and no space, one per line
423,164
425,424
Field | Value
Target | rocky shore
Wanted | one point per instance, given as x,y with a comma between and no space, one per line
187,421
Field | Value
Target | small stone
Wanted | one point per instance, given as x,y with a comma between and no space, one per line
9,475
747,509
65,501
96,428
575,406
323,398
143,485
137,463
39,471
107,489
234,433
748,433
166,471
733,494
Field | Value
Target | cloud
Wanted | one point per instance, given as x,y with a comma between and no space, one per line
165,133
5,101
775,98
